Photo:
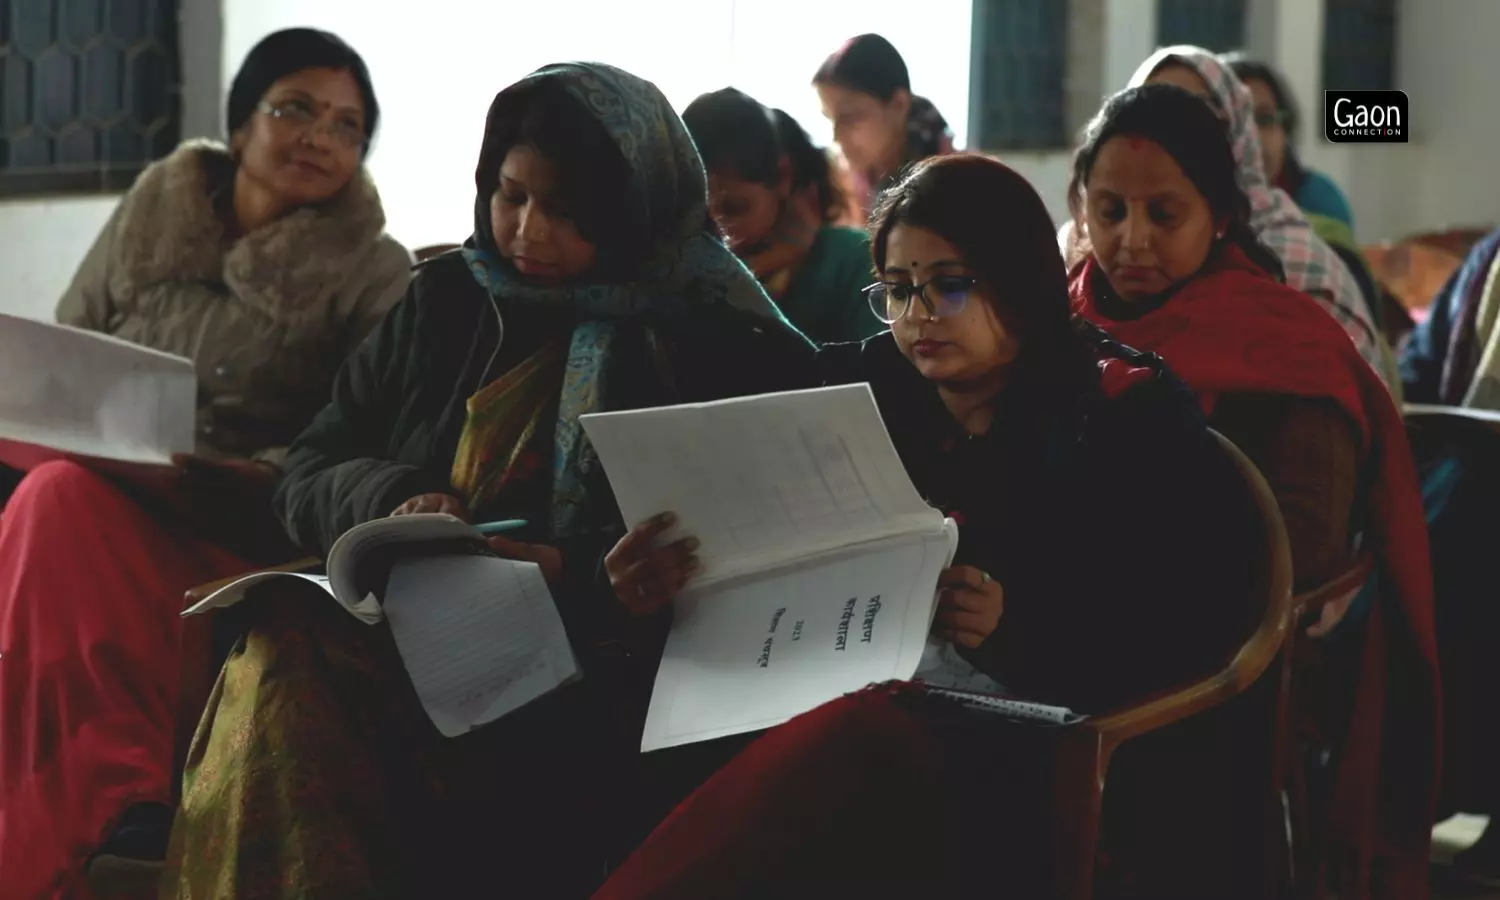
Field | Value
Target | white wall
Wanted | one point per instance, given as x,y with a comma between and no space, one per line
437,65
436,80
43,239
1447,64
41,244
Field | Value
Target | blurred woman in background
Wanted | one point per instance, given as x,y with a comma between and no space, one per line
1277,120
1320,199
878,123
777,199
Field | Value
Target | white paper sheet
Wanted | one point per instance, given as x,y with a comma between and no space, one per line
763,479
751,653
366,609
480,636
90,394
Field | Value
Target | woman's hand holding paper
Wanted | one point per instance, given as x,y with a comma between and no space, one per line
646,577
433,503
970,604
548,558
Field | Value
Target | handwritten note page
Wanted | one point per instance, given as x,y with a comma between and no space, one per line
760,480
480,637
91,394
752,653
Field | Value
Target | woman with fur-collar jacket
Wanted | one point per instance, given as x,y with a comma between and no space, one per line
265,262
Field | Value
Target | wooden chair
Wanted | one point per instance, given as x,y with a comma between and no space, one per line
1085,749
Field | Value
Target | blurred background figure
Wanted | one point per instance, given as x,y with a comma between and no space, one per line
879,124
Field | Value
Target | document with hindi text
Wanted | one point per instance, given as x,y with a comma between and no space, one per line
820,558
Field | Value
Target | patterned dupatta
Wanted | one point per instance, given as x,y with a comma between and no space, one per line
686,268
498,448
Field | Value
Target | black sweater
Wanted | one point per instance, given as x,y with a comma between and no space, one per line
1104,508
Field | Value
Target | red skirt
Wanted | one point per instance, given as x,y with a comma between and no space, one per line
91,585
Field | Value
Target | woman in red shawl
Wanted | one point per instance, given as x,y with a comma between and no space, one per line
1173,269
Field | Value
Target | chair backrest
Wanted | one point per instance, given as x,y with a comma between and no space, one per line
1268,558
425,253
1414,268
1271,577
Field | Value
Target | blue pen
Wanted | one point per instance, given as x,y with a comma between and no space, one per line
501,527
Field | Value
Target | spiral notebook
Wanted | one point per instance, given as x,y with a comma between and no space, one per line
1010,707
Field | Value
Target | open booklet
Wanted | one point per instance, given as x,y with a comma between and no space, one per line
480,636
820,559
70,392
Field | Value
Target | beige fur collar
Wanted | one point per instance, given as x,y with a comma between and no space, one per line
167,230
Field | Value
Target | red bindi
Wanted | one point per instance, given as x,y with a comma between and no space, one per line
1135,143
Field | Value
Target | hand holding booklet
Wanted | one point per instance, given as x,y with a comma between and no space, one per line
820,560
480,636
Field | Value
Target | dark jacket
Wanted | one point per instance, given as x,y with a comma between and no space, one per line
398,408
1101,504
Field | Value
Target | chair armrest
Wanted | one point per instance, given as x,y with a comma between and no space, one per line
202,591
1330,602
1161,710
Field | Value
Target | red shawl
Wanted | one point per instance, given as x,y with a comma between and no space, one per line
1234,329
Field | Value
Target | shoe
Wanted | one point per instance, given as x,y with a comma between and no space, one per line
131,858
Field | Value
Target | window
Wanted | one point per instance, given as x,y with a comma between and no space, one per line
1019,47
88,92
1216,25
1359,45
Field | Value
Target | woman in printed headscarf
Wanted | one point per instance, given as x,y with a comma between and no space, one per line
1308,263
878,123
1319,198
315,771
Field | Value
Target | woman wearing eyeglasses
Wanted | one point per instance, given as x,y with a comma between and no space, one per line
1276,119
265,262
1096,516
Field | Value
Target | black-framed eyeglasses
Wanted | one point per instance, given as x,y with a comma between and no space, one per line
1270,118
299,115
890,301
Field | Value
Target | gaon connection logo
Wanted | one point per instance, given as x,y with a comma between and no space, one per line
1365,117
